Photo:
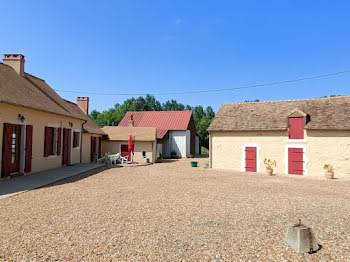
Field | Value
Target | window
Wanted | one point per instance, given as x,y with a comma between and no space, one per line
144,154
296,127
51,141
76,139
16,133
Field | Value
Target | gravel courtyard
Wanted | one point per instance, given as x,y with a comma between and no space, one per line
172,212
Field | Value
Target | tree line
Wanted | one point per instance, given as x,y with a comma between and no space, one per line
111,117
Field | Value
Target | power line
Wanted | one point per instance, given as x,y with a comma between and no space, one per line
209,90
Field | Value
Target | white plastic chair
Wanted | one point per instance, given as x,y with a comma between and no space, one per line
124,159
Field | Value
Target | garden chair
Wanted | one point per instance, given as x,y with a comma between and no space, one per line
124,159
114,158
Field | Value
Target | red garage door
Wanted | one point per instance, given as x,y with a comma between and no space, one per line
125,152
250,159
295,161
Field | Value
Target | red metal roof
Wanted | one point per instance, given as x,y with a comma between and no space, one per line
163,121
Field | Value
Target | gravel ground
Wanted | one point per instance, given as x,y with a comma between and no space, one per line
172,212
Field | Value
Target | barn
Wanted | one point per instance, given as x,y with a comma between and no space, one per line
176,131
300,135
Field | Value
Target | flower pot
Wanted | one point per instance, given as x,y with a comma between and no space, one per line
329,175
269,171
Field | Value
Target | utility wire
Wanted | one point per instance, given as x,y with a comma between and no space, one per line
209,90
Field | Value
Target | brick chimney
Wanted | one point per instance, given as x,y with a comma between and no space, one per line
16,61
131,121
83,103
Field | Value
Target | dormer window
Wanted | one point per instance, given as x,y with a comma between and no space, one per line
296,123
296,127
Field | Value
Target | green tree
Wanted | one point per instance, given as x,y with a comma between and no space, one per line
173,105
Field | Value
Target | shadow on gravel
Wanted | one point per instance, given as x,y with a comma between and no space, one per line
166,161
319,248
76,178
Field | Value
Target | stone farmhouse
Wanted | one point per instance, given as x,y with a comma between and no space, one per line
300,135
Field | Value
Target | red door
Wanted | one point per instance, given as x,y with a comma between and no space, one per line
295,161
93,149
250,159
125,152
65,154
11,149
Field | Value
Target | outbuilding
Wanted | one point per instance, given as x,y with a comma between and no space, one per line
144,139
300,135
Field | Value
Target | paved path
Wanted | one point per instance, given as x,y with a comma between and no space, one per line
17,185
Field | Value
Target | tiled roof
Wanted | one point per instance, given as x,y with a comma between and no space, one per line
90,126
32,92
122,133
162,120
325,113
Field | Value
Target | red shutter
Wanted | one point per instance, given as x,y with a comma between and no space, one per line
59,141
250,159
295,161
99,147
92,149
296,127
65,147
47,141
29,143
6,150
76,139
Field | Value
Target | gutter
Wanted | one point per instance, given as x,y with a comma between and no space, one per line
81,140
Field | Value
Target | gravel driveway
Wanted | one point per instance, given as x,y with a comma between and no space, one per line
172,212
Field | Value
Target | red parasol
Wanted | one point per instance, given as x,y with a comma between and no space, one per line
131,144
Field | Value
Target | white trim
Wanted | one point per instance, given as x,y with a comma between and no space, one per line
51,157
257,156
296,140
53,125
305,159
77,130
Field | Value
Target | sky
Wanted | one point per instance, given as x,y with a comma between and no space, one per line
116,47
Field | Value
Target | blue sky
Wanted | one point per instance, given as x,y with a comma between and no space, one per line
166,46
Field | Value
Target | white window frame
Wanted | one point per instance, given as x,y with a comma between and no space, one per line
243,162
305,159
